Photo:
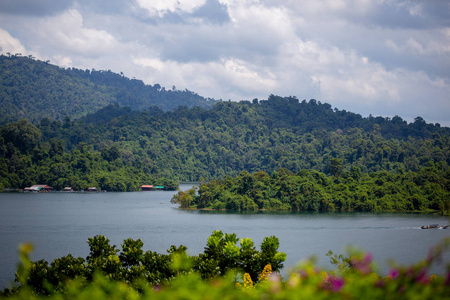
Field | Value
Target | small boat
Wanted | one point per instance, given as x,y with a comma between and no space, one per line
434,226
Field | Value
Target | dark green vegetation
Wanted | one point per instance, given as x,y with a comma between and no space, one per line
28,157
134,266
314,191
118,148
34,89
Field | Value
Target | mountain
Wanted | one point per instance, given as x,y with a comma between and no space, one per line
118,148
34,89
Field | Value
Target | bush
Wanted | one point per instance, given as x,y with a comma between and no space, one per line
353,278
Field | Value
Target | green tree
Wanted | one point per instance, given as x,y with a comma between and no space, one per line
335,167
22,135
102,256
132,253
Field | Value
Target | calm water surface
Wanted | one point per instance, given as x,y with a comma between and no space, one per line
60,223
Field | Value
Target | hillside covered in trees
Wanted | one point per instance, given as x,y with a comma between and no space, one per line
34,89
314,191
118,148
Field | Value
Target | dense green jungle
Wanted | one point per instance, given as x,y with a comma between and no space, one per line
68,127
283,190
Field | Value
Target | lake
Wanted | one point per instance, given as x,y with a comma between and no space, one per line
60,223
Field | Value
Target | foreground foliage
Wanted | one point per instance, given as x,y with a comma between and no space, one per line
306,190
134,266
353,278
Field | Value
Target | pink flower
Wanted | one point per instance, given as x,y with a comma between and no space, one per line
394,273
368,258
421,277
363,265
333,283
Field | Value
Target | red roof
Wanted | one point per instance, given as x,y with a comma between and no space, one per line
147,186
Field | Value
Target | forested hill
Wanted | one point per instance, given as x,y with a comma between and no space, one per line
118,148
34,89
273,115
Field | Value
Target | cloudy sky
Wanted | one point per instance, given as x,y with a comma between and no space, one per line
379,57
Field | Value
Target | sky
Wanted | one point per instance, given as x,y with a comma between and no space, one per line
378,57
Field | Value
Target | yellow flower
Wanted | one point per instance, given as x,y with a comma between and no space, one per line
248,282
433,277
265,273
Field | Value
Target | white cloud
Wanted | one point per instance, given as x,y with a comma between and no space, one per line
375,85
66,32
162,7
224,76
153,63
420,45
330,10
247,76
10,44
342,76
62,61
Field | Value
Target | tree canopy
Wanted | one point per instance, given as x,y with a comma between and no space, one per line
306,190
34,89
119,148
